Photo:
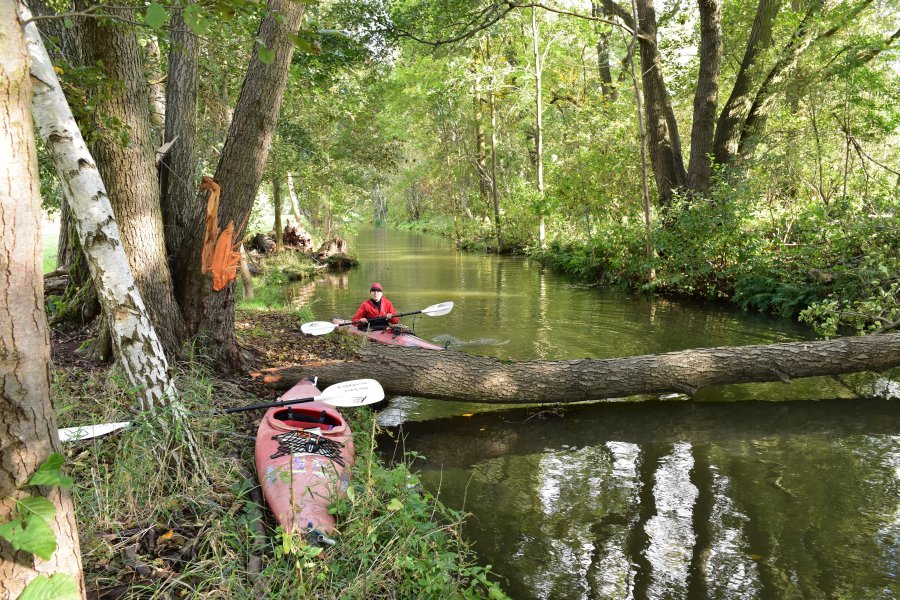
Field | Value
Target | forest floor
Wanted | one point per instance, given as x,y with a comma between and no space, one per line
270,339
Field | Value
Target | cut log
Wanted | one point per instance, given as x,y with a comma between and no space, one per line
55,283
452,375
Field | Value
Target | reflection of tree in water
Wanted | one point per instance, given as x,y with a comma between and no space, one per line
808,509
815,505
301,294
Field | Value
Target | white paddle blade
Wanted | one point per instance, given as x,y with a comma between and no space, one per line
317,327
357,392
86,432
438,310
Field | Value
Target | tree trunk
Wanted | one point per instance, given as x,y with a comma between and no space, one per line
65,250
452,375
484,180
156,88
606,83
134,340
734,113
381,209
706,95
129,173
26,414
183,213
277,202
664,142
246,276
67,47
295,205
538,127
645,191
243,157
494,192
662,128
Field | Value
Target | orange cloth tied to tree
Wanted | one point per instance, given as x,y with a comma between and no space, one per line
220,253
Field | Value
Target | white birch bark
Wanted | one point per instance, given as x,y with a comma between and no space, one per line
135,343
295,205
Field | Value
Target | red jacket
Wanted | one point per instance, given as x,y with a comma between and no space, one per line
368,310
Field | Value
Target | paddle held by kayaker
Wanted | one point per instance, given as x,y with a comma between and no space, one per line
377,311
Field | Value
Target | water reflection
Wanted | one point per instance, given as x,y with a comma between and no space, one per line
756,500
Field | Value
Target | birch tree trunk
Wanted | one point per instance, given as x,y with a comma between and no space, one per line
26,414
495,194
450,375
135,343
156,87
538,126
295,204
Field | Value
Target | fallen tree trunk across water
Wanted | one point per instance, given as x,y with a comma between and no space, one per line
452,375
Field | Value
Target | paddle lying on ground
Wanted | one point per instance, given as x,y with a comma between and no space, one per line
323,327
347,394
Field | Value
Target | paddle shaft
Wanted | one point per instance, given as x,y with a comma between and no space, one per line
267,405
397,316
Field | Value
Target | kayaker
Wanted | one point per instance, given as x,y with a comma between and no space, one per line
377,311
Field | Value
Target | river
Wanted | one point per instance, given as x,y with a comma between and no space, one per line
791,493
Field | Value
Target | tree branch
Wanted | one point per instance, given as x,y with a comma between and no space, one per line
497,11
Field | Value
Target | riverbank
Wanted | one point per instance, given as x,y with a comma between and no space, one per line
149,525
836,274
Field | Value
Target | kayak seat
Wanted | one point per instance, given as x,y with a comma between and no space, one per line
304,420
306,425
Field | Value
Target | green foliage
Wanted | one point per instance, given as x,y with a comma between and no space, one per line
31,532
86,88
58,587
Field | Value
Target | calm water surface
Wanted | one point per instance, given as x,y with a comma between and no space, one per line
769,498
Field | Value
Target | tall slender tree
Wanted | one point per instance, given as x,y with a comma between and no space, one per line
26,414
128,168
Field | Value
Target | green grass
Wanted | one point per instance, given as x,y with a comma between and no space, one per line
150,522
50,239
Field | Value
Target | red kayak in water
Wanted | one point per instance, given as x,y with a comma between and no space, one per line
390,337
304,453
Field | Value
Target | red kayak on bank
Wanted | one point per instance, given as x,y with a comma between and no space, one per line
304,453
389,336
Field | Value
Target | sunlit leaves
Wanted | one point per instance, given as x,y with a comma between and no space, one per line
266,55
156,16
57,587
50,473
31,531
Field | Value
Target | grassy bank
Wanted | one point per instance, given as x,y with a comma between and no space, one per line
151,525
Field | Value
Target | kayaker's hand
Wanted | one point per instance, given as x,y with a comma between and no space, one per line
364,321
389,316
